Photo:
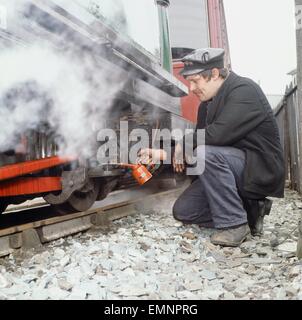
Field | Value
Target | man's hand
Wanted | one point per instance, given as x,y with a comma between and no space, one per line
178,160
151,156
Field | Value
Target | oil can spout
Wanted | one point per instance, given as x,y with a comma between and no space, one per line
139,172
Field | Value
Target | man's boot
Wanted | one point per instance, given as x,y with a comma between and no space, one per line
231,237
256,210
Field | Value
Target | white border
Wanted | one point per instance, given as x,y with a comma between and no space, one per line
3,17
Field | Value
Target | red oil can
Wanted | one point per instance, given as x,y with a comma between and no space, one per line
139,172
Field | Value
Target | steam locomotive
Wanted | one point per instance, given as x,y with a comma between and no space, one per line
79,66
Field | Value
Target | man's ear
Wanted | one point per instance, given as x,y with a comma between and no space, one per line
215,74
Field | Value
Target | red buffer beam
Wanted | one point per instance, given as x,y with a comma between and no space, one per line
24,186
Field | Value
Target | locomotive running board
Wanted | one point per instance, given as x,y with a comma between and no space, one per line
28,167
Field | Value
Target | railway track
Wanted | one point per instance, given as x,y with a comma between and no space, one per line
31,227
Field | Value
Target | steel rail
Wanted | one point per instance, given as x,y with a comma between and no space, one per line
41,225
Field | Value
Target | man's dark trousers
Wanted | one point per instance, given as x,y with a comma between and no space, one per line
213,199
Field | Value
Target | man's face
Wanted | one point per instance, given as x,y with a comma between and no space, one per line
203,88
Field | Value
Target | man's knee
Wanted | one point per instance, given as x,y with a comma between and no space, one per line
182,211
178,210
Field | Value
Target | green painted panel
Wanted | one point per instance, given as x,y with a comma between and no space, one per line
166,55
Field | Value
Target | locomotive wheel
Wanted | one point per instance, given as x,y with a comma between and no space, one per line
80,200
83,200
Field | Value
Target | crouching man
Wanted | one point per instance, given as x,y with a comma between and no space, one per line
243,155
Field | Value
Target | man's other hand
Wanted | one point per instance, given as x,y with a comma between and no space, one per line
178,160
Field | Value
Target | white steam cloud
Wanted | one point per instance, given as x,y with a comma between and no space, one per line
39,84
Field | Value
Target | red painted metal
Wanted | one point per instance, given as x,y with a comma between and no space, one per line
24,186
21,169
218,28
190,103
215,23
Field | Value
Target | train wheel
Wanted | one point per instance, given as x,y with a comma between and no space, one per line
80,200
84,199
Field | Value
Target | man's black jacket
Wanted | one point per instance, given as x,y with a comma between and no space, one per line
240,116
